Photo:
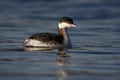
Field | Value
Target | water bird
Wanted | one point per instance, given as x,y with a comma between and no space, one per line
52,40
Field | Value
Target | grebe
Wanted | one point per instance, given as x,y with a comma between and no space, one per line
51,40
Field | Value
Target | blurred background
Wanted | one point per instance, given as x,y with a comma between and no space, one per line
23,12
96,41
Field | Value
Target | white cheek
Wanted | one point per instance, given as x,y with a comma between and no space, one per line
63,25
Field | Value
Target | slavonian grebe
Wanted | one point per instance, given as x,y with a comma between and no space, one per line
51,40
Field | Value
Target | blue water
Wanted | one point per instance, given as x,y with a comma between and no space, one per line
95,54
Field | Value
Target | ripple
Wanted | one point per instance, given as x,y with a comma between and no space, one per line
27,74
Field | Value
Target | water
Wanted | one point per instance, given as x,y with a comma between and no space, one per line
96,41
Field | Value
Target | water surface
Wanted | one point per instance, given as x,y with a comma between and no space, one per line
96,42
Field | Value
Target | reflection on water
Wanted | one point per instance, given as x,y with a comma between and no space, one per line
63,75
37,49
61,51
61,60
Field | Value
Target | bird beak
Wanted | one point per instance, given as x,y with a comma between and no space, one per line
73,25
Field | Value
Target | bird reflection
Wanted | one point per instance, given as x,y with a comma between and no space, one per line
63,75
36,49
61,61
62,58
61,51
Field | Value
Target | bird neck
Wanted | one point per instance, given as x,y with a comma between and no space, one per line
64,33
